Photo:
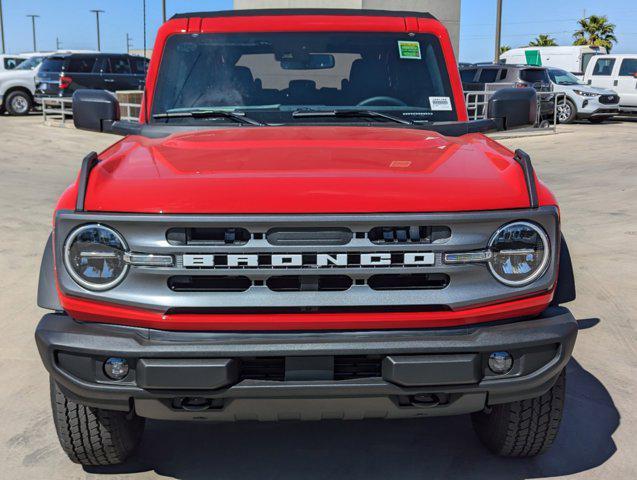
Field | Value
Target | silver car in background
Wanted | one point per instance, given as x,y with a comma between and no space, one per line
582,101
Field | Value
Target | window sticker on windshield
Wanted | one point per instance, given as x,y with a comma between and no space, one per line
409,50
440,103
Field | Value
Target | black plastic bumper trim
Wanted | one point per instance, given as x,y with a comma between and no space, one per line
60,333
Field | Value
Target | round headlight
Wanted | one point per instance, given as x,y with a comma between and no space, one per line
519,253
94,257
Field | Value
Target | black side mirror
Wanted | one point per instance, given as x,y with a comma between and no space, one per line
95,110
513,108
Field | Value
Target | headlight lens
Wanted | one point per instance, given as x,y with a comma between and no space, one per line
519,253
94,257
586,94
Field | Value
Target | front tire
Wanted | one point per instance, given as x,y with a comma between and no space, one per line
524,428
566,112
93,436
18,103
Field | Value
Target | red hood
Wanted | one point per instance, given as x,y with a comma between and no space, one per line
307,170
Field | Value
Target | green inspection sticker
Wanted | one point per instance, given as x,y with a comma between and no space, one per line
409,50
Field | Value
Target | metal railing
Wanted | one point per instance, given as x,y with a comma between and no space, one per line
58,111
477,105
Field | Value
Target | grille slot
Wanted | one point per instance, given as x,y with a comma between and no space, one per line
208,236
209,283
431,281
409,234
263,368
357,366
309,236
309,283
346,367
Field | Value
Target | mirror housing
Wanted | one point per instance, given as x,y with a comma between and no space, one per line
311,61
95,110
513,108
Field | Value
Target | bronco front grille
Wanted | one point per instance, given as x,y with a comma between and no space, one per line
298,263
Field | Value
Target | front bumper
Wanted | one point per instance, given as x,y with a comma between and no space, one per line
211,376
588,107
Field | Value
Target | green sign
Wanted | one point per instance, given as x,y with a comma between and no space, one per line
533,58
409,50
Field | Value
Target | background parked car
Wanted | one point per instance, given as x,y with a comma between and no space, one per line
617,72
61,75
582,101
17,86
572,58
491,77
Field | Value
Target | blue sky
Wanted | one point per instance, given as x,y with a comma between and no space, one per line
73,23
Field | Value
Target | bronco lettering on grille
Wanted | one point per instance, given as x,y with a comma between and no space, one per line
309,260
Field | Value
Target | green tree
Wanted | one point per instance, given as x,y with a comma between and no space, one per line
543,41
595,31
504,48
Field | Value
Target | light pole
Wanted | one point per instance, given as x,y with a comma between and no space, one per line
129,42
498,32
33,17
2,28
163,9
97,20
58,44
144,8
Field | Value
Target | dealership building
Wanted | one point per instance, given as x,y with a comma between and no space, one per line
447,11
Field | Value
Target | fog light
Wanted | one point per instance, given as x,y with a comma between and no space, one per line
116,368
500,362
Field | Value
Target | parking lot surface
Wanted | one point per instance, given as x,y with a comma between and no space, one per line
593,171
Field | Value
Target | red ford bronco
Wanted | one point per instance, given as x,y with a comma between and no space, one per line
305,225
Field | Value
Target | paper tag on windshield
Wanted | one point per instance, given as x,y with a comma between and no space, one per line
440,103
409,50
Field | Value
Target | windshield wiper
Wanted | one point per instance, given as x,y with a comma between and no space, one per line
305,113
238,117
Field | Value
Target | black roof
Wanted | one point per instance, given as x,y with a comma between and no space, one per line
304,11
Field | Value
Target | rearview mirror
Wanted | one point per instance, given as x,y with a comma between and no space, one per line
513,108
95,110
312,61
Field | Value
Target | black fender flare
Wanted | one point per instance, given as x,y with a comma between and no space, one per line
47,293
565,288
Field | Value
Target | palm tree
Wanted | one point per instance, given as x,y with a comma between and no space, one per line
504,48
543,41
595,31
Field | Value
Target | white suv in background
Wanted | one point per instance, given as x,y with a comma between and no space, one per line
618,72
582,101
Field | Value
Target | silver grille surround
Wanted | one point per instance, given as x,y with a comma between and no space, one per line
147,286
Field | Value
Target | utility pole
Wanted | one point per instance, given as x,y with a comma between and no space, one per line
33,17
97,20
498,32
129,43
163,9
144,7
58,44
2,29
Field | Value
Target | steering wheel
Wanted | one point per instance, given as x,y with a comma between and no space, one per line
382,99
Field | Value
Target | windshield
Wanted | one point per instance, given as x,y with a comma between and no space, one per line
30,64
562,77
271,75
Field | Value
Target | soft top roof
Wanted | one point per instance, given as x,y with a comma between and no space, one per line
304,11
